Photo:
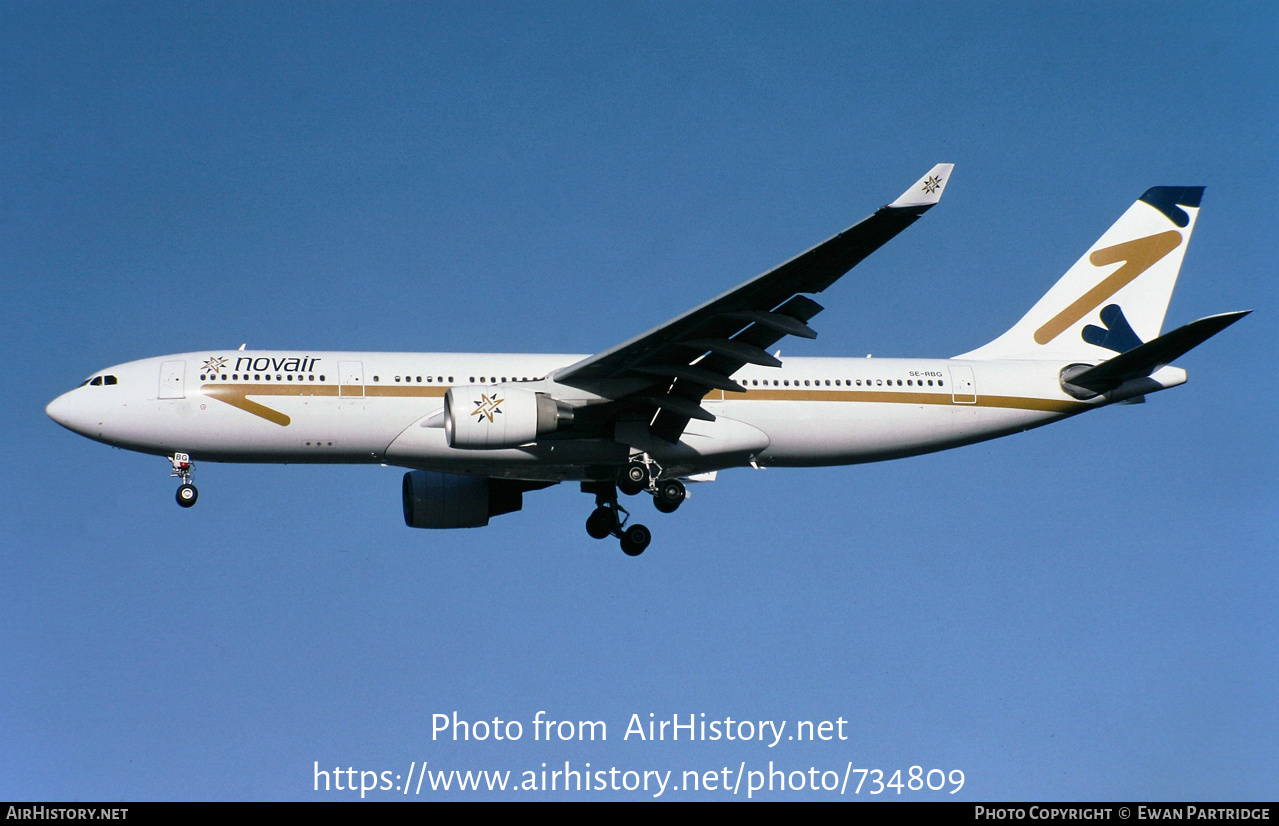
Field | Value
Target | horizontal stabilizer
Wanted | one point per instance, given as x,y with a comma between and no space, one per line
1144,359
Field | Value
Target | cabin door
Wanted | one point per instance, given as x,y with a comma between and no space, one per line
173,380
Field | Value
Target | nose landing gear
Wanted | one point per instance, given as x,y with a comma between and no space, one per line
184,469
187,494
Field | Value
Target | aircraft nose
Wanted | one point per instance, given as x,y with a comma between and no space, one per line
69,412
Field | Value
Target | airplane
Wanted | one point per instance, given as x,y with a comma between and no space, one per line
674,405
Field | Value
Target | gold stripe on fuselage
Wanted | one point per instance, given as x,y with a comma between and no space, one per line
900,397
237,395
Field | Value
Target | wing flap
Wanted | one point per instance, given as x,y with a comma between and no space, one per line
779,322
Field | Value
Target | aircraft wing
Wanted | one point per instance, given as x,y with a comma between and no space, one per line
675,364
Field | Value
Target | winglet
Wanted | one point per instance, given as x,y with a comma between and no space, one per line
928,189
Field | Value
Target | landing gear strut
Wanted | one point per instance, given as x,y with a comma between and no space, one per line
184,468
609,519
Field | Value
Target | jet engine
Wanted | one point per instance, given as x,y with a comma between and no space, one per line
449,500
497,416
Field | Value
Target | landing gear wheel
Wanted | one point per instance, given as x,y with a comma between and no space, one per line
635,539
670,495
601,523
184,469
187,494
633,479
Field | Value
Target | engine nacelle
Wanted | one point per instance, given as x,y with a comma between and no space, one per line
449,500
497,416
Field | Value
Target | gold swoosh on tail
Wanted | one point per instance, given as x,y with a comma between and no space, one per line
1138,256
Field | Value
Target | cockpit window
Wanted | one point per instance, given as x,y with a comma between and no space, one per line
109,380
97,381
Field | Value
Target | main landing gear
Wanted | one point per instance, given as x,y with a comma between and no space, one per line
609,518
184,468
642,473
669,495
633,478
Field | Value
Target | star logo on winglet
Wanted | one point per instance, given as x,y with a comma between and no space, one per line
931,183
487,408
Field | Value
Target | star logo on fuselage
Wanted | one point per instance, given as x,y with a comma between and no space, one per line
931,183
214,365
487,408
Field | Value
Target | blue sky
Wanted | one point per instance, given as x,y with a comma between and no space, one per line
1086,611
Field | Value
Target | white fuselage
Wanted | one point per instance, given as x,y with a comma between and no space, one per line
298,406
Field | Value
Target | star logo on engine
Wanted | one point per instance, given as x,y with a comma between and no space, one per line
931,183
214,365
487,408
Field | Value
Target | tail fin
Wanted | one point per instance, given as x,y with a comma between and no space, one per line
1115,297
